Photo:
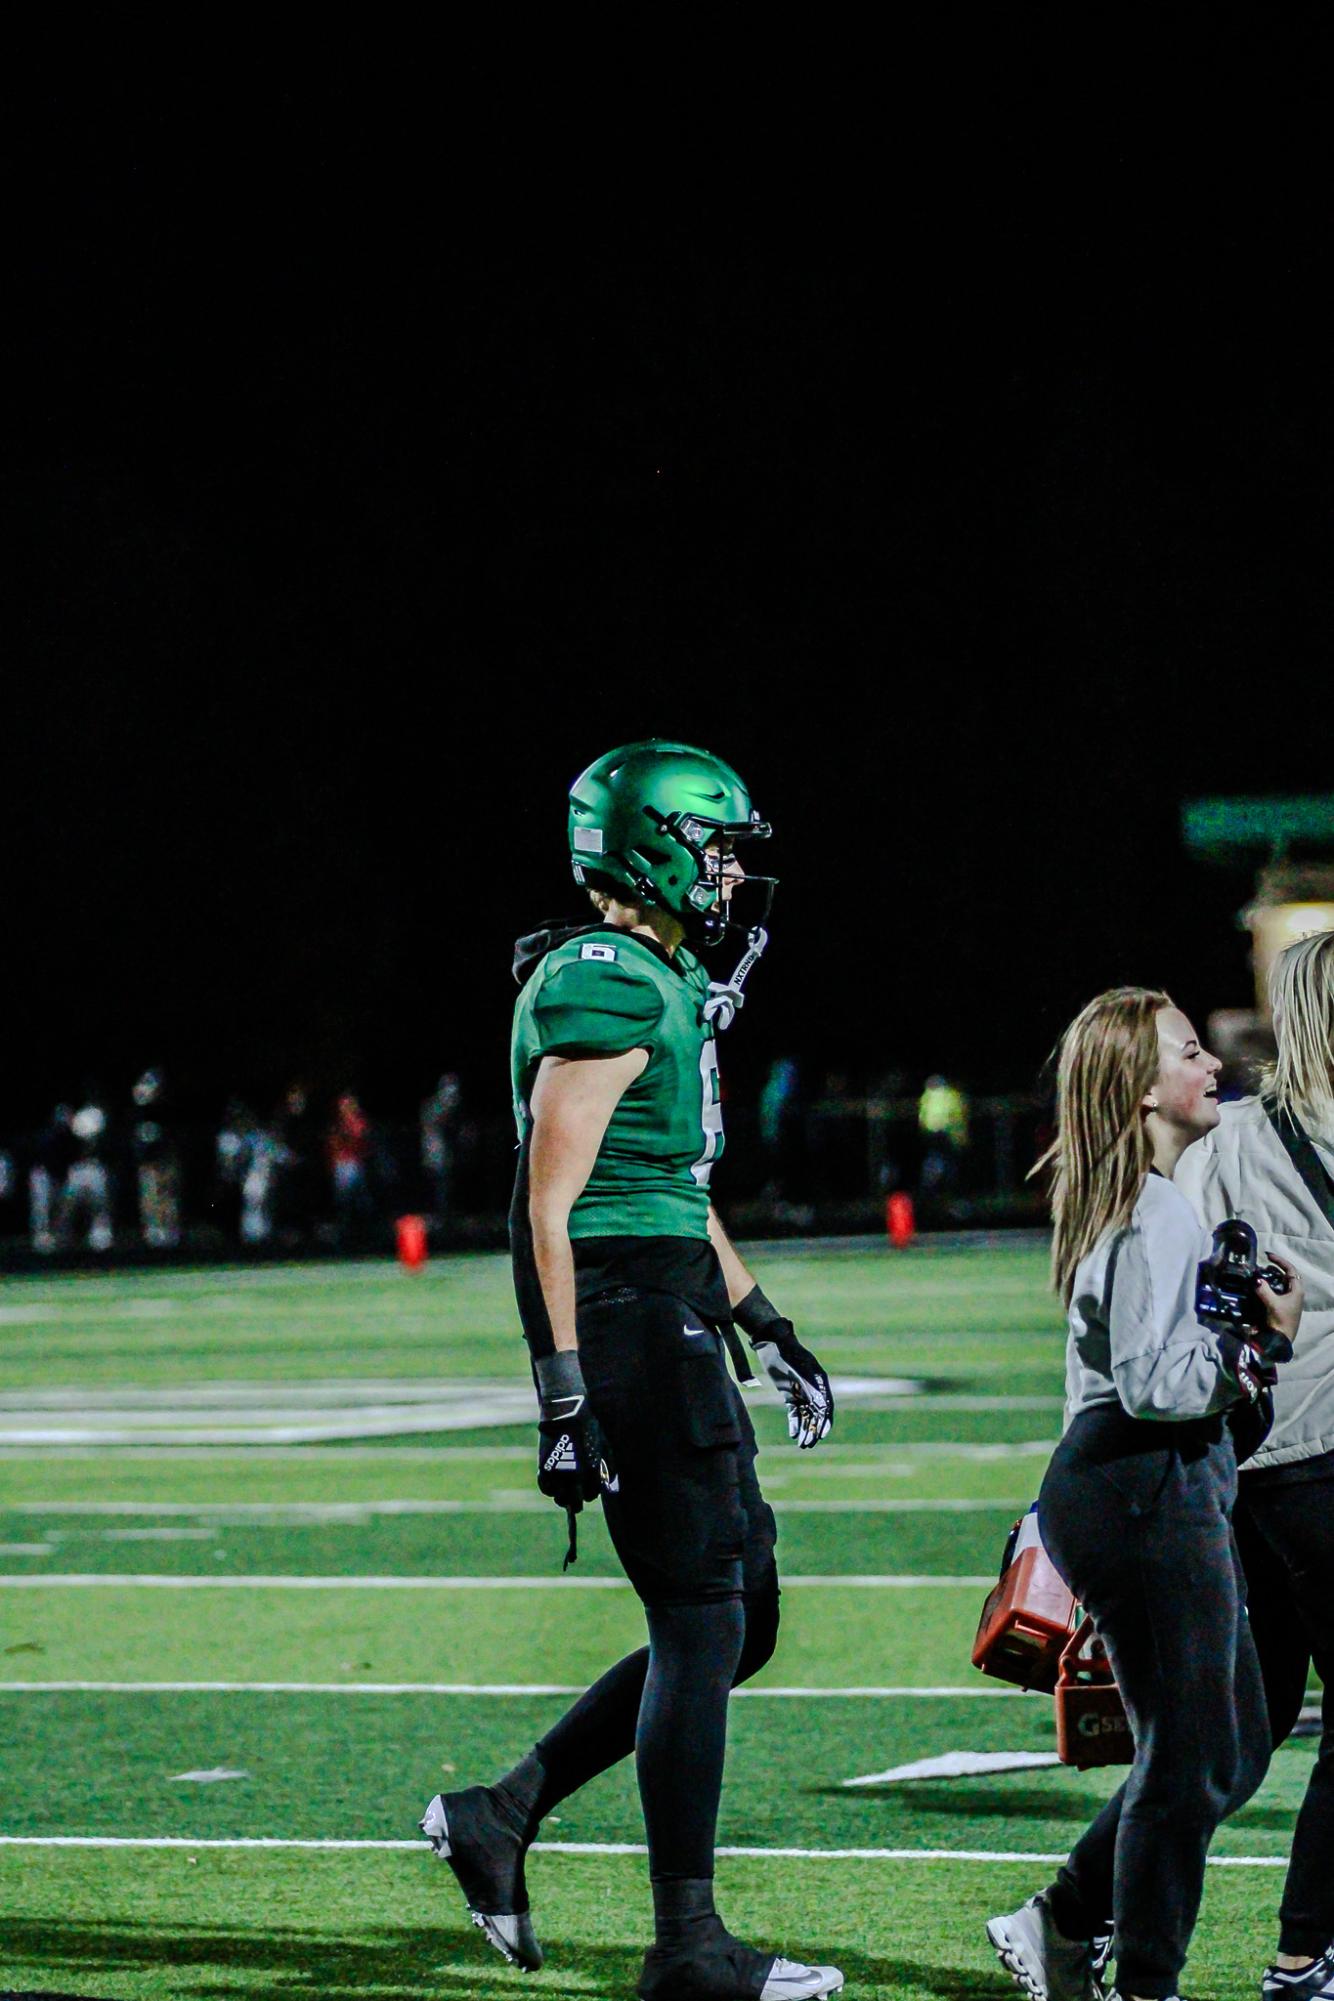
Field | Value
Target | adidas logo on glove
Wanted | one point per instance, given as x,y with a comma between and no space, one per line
561,1458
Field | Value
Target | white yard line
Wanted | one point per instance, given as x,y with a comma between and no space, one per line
177,1534
331,1408
297,1512
282,1455
488,1688
258,1413
319,1391
273,1428
832,1452
408,1420
899,1505
592,1848
149,1581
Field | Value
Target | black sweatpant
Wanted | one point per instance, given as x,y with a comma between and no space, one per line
1285,1532
1136,1517
696,1538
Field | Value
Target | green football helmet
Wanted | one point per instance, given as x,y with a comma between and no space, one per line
641,819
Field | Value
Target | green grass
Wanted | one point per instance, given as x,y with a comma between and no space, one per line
975,1331
830,1638
294,1323
507,1544
387,1928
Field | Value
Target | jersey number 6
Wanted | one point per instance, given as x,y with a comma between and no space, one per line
711,1112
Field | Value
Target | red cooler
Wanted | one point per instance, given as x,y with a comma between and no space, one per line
1092,1727
1027,1620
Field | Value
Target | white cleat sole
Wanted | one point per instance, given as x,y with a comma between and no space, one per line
513,1938
1003,1945
792,1981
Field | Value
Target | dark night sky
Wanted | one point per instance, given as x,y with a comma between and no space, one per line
357,510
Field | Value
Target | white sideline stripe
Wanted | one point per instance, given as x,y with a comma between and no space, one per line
22,1440
342,1392
150,1581
284,1455
148,1404
297,1512
399,1423
832,1450
595,1848
502,1688
119,1428
325,1406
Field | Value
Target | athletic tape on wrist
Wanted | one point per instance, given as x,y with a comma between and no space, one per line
560,1375
755,1313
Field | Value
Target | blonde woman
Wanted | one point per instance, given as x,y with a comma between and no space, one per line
1272,1161
1136,1504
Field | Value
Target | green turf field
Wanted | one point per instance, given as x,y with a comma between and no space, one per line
281,1523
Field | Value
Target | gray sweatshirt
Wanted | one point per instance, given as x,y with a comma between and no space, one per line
1243,1169
1133,1337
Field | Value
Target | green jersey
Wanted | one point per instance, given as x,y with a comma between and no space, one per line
601,993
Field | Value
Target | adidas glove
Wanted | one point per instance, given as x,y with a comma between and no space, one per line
567,1440
794,1371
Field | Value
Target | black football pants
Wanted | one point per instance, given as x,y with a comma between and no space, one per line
1285,1533
696,1538
1136,1517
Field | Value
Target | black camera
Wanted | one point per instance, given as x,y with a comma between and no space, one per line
1227,1288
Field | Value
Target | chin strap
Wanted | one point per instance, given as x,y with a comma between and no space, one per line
726,997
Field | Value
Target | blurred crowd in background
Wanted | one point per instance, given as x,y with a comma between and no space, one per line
108,1174
111,1175
101,1173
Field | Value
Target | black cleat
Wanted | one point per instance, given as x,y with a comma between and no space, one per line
470,1832
719,1967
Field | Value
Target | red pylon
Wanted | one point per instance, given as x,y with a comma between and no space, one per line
410,1235
900,1223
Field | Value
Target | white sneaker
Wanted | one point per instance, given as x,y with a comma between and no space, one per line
790,1981
1307,1983
1046,1965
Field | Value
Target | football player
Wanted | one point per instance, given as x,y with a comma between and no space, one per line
630,1292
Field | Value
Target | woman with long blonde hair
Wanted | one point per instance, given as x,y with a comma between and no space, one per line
1136,1503
1272,1161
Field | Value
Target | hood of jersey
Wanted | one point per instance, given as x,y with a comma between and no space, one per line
532,948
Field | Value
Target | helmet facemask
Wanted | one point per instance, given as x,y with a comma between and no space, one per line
705,911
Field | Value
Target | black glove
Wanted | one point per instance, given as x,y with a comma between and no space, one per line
801,1382
568,1446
